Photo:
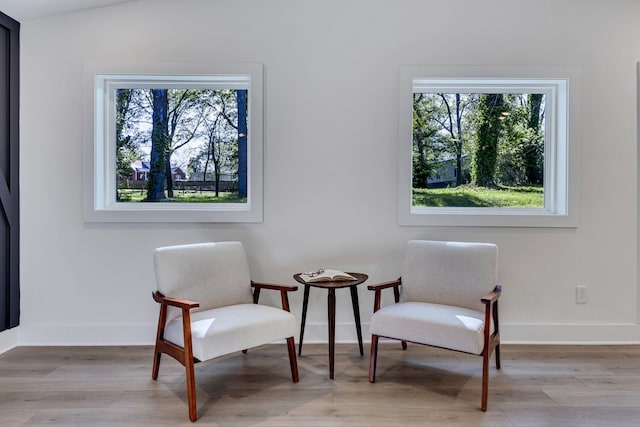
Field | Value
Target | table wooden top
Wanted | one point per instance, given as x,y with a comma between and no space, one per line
360,278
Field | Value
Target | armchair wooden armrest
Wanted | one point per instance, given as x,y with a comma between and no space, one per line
384,285
175,302
181,354
492,296
286,288
395,284
492,339
257,286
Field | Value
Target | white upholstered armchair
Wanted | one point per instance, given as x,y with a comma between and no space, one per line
208,309
446,297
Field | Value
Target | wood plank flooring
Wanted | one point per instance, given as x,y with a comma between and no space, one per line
112,386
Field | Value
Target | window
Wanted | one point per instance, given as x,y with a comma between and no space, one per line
488,146
174,143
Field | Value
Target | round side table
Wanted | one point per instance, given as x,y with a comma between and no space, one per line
331,305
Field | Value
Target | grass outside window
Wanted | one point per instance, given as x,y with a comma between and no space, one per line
481,197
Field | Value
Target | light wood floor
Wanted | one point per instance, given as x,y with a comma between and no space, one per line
112,386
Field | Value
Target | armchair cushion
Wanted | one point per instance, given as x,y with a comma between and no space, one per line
213,274
219,331
439,325
450,273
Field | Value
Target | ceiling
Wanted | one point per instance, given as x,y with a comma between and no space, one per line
23,10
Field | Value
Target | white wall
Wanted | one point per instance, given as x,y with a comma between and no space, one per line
331,79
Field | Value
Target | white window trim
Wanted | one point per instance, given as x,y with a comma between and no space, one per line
561,168
99,143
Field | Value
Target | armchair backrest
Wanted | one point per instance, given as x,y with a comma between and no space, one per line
451,273
213,274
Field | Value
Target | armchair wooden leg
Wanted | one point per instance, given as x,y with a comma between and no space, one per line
162,317
373,358
485,380
497,351
404,345
156,364
191,389
291,346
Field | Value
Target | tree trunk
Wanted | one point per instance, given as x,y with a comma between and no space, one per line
217,178
167,173
459,142
159,140
242,144
486,154
532,154
206,166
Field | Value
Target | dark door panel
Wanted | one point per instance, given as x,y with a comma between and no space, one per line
9,186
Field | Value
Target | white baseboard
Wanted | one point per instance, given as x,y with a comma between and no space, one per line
144,334
9,339
85,335
588,334
603,334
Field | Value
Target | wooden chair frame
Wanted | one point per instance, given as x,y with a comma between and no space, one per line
491,340
185,355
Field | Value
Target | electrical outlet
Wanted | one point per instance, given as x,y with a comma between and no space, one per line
581,294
